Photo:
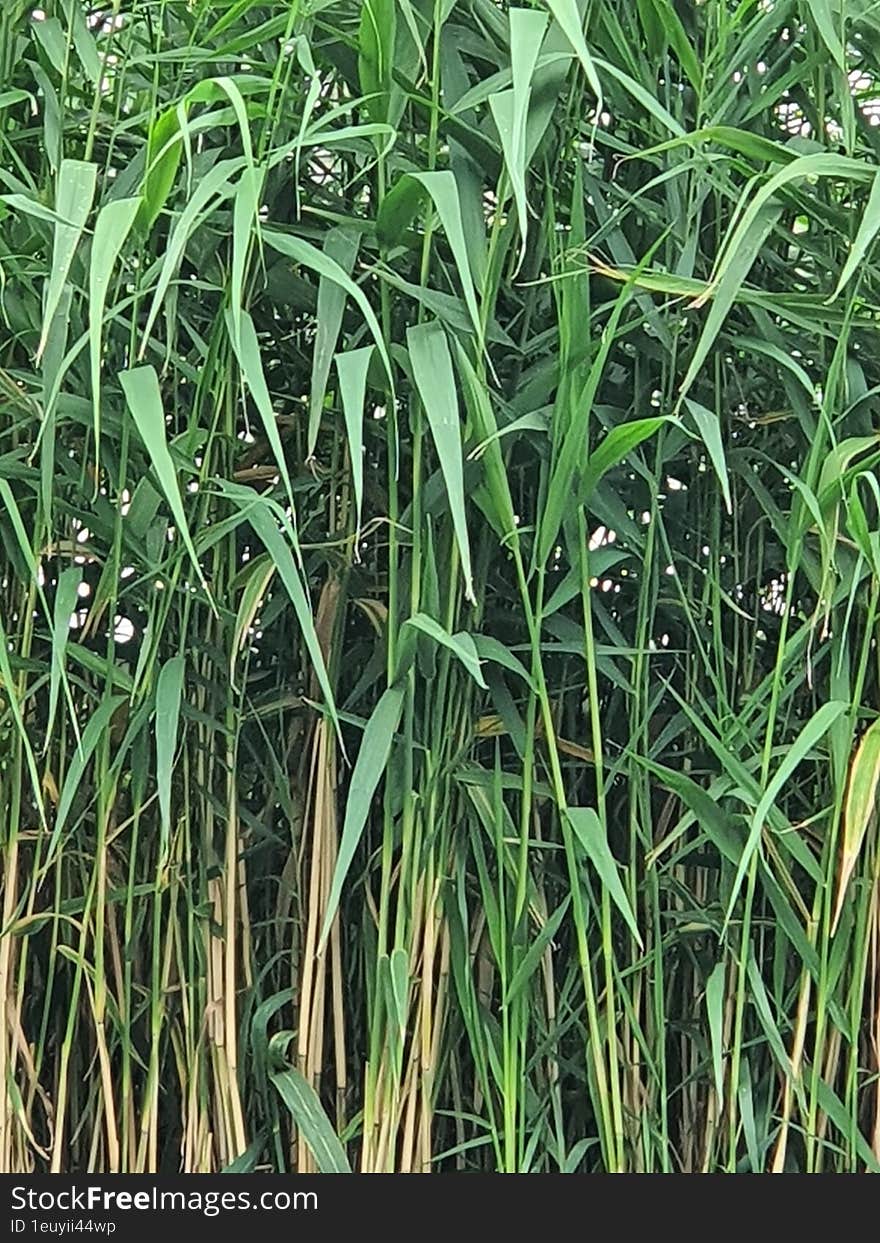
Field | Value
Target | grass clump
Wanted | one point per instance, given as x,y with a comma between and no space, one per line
440,566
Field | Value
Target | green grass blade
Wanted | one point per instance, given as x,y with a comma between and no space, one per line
371,763
432,369
73,202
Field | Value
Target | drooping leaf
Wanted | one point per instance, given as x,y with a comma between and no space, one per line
141,388
341,245
114,223
312,1122
461,645
709,427
591,835
435,380
169,693
859,807
371,763
66,594
73,202
715,1010
303,252
352,367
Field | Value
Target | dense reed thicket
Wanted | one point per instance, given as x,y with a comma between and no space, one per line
440,537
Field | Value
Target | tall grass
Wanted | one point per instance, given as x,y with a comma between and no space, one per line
440,566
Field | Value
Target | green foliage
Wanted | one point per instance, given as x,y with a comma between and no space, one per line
440,541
